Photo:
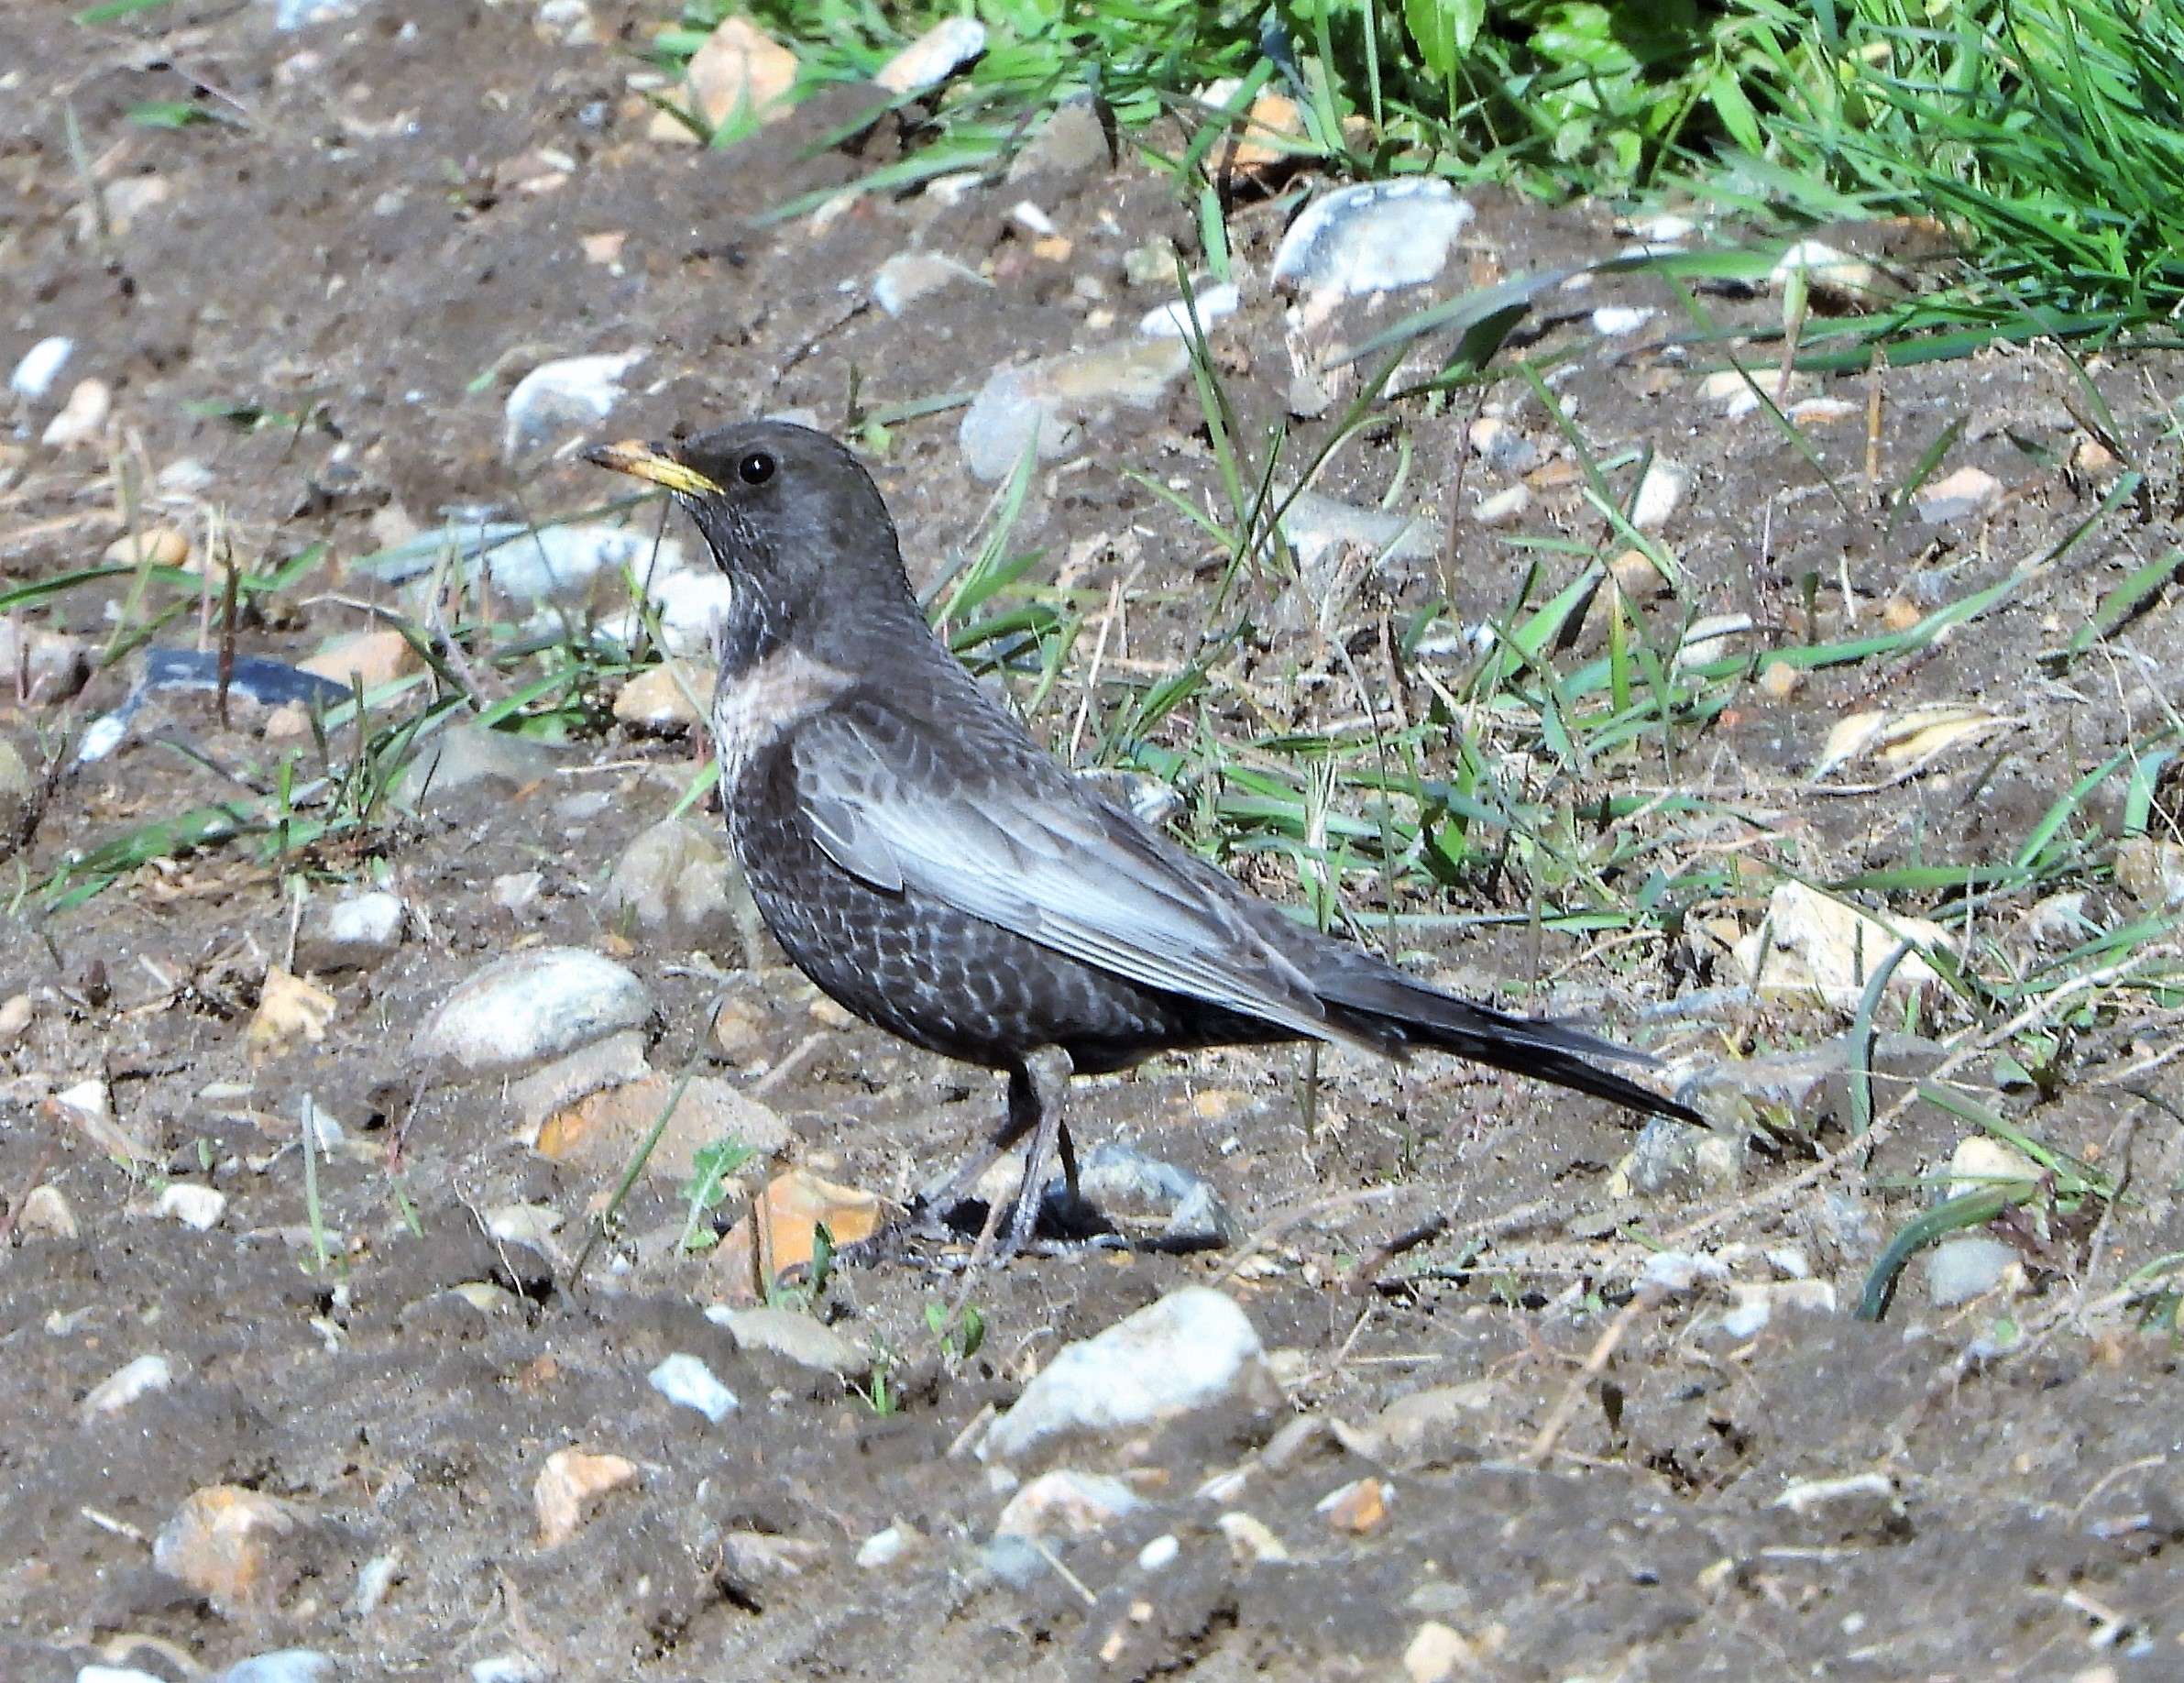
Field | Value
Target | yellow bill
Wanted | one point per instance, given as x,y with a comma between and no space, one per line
635,458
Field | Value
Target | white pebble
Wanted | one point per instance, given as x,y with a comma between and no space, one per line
83,418
1660,494
127,1383
40,367
1172,320
193,1204
884,1548
687,1380
1613,320
565,397
1159,1554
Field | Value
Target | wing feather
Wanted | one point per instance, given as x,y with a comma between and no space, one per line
1051,862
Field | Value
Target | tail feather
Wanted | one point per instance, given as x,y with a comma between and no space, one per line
1392,1008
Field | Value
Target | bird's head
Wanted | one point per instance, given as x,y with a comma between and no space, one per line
789,515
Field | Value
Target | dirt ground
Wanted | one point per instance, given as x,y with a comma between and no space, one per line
362,242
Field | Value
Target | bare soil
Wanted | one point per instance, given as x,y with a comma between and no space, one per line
349,251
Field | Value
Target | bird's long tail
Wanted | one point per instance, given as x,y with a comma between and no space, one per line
1390,1006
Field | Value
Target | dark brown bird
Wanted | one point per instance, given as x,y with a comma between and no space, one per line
924,861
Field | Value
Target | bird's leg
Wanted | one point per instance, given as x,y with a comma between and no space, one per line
1037,1087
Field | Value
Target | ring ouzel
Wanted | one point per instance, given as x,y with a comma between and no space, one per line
924,861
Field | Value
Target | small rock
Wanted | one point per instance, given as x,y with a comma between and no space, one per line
1439,1426
282,1665
1754,1309
40,367
1159,1554
1501,447
1779,680
556,399
221,1543
1816,945
1824,411
677,884
1054,399
1066,1503
933,57
1969,1265
1980,1162
376,659
1964,495
45,1211
908,276
1316,525
793,1337
140,1378
600,1131
193,1204
782,1228
82,419
2151,872
507,1668
1130,1187
16,1014
690,606
1172,320
1250,1539
1193,1349
571,1480
687,1380
41,664
1832,277
289,1010
1357,1507
1071,142
1681,1270
1372,238
155,546
1660,494
463,756
1613,320
884,1548
359,931
1675,1159
529,1007
1502,508
655,701
604,1063
741,71
1437,1652
517,892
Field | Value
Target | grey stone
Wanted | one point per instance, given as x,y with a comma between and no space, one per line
1054,399
281,1665
528,1007
908,276
359,931
793,1337
610,1062
676,882
1193,1348
1966,1266
1071,142
463,755
557,399
685,1379
1316,526
1677,1159
1139,1191
1374,238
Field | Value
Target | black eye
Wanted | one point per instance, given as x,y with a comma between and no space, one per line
755,468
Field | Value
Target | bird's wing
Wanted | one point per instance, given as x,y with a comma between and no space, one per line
1016,843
